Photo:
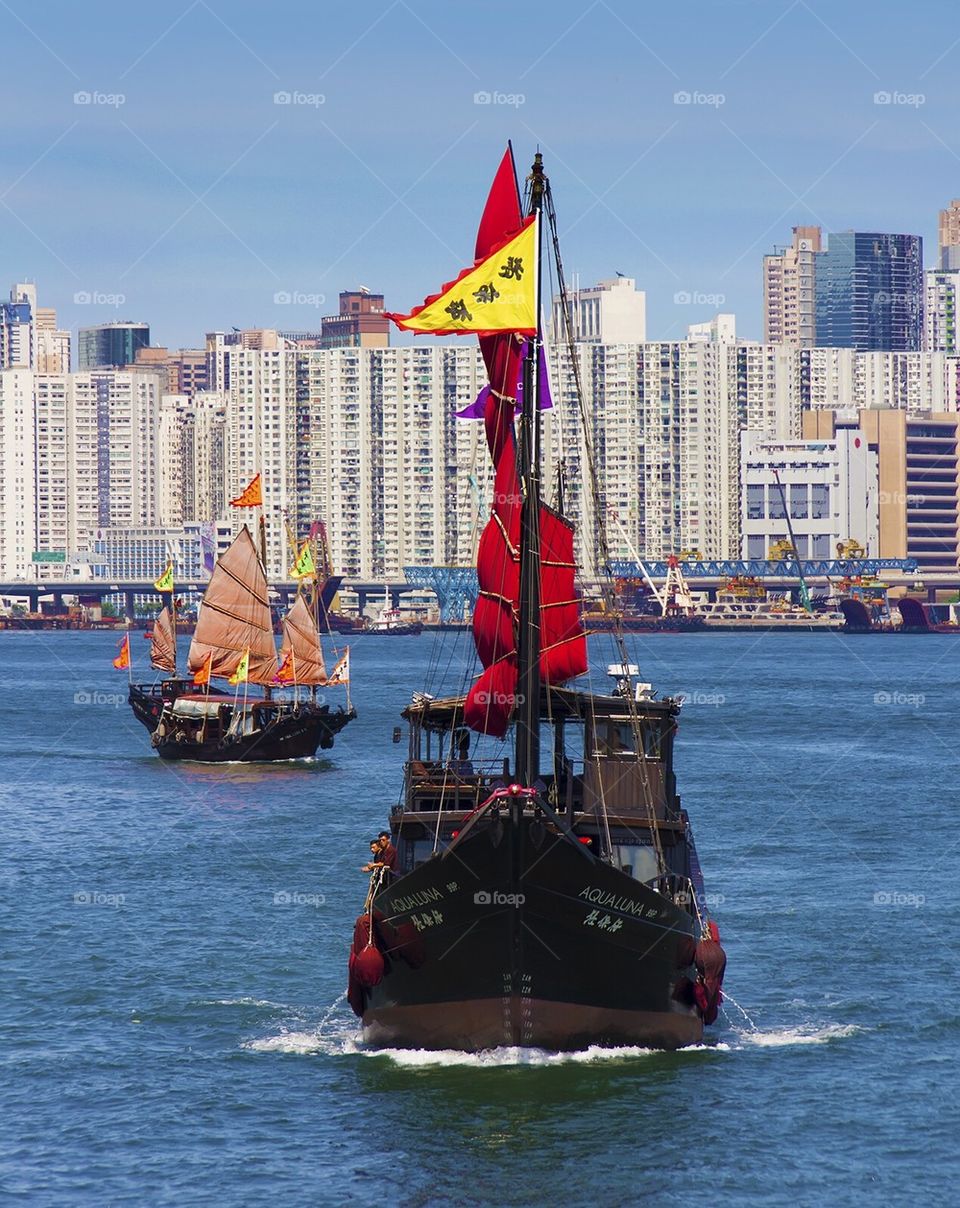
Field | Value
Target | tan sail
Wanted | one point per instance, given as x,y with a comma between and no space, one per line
163,647
301,643
235,616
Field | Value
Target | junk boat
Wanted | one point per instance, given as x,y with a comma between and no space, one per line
551,897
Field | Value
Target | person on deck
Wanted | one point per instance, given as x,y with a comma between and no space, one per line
461,764
374,856
387,853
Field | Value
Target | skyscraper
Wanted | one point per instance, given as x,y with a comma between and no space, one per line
949,232
111,345
789,299
940,311
869,292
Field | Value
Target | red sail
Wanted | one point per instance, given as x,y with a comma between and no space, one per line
491,700
563,643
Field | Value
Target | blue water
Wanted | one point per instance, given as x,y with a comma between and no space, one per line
171,1035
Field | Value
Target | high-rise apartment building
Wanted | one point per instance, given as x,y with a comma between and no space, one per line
610,312
111,345
361,322
17,474
789,290
940,310
869,292
186,370
949,237
96,454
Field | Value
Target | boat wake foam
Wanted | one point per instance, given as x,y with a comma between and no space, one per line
804,1034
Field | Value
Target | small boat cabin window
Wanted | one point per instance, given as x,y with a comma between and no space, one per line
636,860
618,737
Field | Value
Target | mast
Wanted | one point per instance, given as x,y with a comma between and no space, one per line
528,637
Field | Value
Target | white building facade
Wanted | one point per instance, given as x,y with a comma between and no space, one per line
829,487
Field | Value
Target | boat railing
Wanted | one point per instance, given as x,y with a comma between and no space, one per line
453,784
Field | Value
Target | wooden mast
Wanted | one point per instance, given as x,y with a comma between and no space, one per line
528,636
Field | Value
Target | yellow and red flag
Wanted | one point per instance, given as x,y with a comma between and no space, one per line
251,496
243,669
203,675
122,661
341,673
285,673
304,564
165,582
498,294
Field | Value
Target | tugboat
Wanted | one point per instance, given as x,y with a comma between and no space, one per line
552,897
234,641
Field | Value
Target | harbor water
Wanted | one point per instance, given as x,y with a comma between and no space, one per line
174,942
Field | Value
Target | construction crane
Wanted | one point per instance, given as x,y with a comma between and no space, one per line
804,592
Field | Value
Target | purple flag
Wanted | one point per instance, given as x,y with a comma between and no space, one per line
479,405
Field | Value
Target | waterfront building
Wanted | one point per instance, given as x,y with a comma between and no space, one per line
18,472
829,486
918,471
141,553
869,292
95,448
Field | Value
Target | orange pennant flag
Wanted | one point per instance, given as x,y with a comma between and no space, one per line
122,661
251,496
203,675
285,673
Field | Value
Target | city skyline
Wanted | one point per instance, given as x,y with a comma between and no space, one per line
710,134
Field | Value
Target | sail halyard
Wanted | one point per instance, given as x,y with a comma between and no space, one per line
235,617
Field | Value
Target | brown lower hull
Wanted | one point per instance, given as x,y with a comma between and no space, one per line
490,1023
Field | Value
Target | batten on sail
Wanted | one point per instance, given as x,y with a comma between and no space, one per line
235,617
300,650
163,649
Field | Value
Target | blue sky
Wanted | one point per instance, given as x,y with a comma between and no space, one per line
198,197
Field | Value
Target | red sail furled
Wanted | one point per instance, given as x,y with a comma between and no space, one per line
490,702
